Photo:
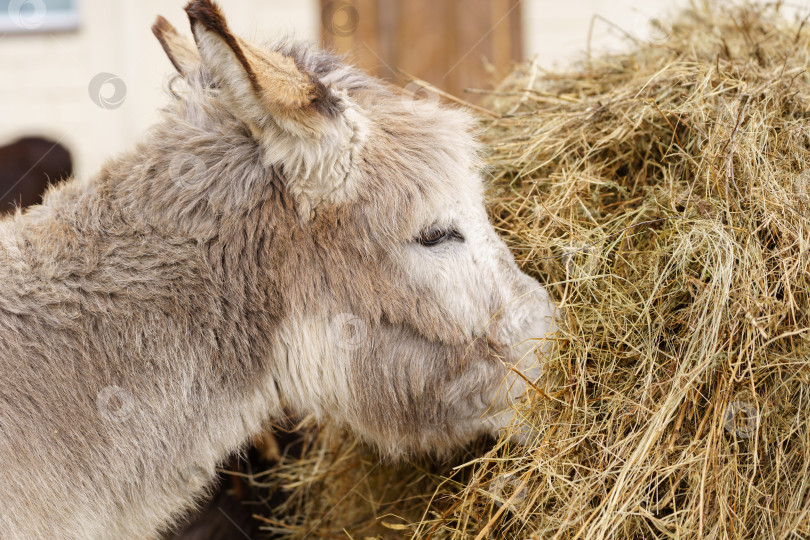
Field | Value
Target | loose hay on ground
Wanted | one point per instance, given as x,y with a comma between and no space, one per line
663,196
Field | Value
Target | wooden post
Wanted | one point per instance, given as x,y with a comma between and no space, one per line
452,44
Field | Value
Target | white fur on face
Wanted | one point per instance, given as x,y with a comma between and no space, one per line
480,285
443,372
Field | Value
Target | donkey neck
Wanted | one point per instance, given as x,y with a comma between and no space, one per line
194,302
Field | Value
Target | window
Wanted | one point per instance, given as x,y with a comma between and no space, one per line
38,15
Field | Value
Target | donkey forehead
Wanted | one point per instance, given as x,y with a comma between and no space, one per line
415,177
420,158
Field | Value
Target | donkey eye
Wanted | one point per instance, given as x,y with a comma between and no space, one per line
435,236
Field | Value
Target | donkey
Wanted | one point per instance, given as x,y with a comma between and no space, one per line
292,236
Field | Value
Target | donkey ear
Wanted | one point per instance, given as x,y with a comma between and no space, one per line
181,51
265,85
312,132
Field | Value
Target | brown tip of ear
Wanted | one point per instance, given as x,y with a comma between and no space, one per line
162,27
209,15
163,30
176,47
291,86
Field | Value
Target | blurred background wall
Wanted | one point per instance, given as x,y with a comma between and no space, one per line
89,74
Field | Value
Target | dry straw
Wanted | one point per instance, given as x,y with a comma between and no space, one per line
663,196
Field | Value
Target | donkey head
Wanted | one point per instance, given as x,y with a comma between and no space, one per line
401,314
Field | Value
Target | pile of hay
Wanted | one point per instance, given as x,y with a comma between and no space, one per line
663,196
